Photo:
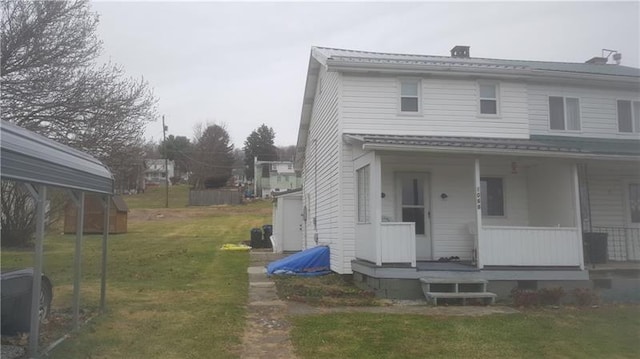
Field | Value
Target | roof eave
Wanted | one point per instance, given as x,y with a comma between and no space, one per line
456,70
496,152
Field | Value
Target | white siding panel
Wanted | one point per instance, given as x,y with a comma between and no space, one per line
449,108
320,171
598,110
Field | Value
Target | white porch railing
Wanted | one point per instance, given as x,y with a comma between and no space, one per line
398,242
530,246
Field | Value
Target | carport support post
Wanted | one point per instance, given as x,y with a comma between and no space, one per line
77,259
105,236
39,193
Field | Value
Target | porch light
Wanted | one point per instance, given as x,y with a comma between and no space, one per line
514,168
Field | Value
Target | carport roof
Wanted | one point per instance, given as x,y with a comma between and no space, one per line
28,157
557,146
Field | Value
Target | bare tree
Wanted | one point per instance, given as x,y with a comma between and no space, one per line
52,85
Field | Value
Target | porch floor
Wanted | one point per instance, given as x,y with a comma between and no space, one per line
446,266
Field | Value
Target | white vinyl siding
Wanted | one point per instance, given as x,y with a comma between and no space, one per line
598,110
321,183
448,108
489,103
564,113
628,116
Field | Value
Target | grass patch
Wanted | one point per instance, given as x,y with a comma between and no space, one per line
171,293
156,197
328,290
608,332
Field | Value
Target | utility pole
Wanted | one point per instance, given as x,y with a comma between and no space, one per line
166,162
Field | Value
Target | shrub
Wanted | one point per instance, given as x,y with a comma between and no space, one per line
585,296
550,296
524,297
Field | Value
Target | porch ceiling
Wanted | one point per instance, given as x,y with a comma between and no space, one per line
552,146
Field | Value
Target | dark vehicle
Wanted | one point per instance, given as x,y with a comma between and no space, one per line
16,300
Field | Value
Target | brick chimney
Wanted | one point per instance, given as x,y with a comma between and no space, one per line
460,51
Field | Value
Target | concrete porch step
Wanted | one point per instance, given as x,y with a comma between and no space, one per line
434,296
435,288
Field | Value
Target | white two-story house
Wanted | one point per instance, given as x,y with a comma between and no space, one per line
434,165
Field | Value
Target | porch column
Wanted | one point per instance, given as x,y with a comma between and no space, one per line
478,241
376,204
578,220
39,194
78,198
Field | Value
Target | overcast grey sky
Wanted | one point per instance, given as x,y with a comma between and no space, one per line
244,63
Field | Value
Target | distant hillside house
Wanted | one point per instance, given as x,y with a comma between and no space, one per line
273,177
154,173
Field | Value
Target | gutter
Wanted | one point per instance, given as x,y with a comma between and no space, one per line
497,152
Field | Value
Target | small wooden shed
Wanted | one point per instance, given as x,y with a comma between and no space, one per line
94,215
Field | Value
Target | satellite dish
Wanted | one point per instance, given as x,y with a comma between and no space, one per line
617,57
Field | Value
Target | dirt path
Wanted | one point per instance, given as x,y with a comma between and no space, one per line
267,332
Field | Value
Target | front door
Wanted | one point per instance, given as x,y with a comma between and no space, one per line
413,206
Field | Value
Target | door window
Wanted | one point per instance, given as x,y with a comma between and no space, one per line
413,209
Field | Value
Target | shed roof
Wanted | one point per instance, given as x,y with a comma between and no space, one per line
556,146
28,157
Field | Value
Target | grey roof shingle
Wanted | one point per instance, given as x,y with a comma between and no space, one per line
355,56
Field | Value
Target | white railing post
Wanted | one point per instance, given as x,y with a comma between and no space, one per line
478,204
376,204
576,195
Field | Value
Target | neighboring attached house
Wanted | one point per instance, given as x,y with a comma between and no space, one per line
440,166
274,177
155,171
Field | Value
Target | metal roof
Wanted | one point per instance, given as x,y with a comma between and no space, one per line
559,146
329,55
28,157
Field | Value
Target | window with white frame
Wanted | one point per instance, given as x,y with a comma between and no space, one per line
492,196
410,95
628,116
362,178
488,98
564,113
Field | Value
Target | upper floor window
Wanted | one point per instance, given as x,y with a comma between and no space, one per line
628,116
564,113
488,98
410,96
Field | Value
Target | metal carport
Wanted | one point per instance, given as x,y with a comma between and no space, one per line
38,162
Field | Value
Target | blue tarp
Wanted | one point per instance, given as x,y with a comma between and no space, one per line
310,262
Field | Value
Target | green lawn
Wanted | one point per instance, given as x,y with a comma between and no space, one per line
156,197
608,332
171,292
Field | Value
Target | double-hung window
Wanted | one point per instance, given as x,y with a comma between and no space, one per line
628,116
488,98
362,178
492,196
409,96
564,113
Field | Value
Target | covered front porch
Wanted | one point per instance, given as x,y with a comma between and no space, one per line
422,211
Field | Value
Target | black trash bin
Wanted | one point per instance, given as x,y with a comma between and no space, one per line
595,247
256,238
268,231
